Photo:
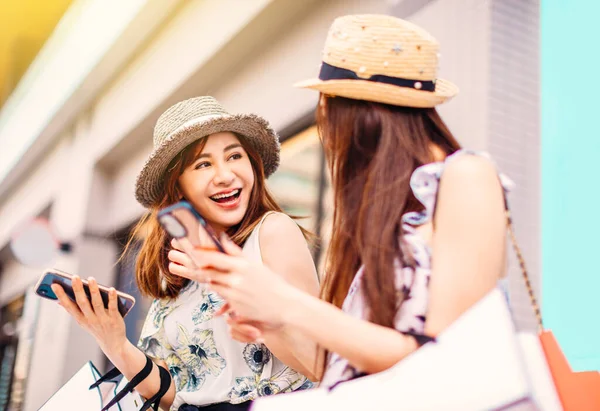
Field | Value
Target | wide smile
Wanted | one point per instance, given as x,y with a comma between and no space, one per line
227,199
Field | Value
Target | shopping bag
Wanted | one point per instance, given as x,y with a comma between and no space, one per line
131,402
578,391
75,394
476,364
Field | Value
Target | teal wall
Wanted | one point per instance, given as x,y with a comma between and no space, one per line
570,88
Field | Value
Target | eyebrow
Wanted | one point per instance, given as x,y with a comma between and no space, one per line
229,147
232,146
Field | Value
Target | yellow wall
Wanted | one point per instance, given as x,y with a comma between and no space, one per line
24,27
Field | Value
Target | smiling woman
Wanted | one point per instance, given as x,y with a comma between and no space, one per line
218,162
220,179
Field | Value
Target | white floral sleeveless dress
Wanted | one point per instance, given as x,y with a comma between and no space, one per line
206,364
411,284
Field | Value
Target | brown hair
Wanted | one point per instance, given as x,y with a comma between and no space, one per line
152,268
371,159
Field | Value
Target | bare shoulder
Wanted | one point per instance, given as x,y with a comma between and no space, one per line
469,169
470,177
468,241
470,186
280,229
285,250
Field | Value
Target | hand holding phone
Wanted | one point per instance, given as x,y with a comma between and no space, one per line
191,230
43,288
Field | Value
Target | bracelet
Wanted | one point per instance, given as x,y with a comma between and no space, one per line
421,339
140,376
115,372
165,383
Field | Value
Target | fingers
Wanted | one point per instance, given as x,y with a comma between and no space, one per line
179,269
180,258
113,306
81,298
182,271
223,310
229,246
244,338
175,244
243,327
201,276
232,281
97,303
235,318
217,260
67,304
243,332
224,292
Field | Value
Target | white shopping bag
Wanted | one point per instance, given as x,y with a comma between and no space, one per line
131,402
76,395
478,363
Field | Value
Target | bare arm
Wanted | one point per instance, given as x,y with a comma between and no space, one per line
284,250
130,360
468,244
348,336
468,248
469,240
254,292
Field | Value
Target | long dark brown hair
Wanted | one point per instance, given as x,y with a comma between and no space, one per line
372,150
152,268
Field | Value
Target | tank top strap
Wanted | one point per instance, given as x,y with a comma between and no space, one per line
262,220
252,245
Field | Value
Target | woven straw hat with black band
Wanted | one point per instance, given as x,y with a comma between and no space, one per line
189,121
382,59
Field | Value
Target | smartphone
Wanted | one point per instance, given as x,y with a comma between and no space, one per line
125,302
185,224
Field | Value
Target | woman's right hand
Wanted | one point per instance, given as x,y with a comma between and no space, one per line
105,325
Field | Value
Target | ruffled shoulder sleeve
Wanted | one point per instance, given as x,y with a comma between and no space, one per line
153,340
425,180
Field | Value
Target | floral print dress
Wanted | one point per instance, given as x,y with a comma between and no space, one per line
412,284
206,364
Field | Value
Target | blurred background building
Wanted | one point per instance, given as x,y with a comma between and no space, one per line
82,83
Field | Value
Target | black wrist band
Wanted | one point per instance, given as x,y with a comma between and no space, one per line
165,383
141,376
111,375
421,339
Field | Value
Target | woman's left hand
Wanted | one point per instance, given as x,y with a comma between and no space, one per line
252,290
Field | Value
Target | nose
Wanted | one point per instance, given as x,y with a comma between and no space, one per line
224,176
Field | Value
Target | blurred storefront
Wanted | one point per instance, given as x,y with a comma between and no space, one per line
72,143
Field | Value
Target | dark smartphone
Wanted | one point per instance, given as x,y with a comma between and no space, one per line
125,302
185,224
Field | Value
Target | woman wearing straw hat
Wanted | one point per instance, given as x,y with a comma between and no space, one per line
419,225
218,162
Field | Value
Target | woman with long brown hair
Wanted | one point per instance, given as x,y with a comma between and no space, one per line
217,162
419,225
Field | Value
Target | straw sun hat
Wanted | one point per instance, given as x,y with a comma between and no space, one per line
189,121
382,59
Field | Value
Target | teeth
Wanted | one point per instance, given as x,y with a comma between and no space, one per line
219,196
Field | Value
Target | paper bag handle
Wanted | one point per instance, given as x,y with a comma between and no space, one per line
524,272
